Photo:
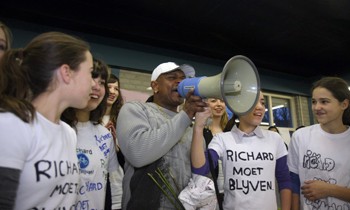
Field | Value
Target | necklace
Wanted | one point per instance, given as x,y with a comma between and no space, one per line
161,111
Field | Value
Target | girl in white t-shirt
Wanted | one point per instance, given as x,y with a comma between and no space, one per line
95,149
38,163
115,102
252,158
319,158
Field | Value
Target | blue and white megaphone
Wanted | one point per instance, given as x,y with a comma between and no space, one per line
238,85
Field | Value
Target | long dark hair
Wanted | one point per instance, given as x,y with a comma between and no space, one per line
69,115
28,72
117,105
339,89
273,127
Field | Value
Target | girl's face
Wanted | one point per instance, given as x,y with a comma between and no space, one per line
326,108
98,92
3,42
254,118
217,106
113,93
83,83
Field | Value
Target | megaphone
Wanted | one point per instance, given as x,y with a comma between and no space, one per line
238,85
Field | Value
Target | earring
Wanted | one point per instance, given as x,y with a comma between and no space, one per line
156,91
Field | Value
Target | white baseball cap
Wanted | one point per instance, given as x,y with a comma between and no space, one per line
171,66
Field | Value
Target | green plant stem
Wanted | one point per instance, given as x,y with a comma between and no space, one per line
174,180
169,187
160,187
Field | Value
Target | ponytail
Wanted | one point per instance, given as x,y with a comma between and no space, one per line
14,87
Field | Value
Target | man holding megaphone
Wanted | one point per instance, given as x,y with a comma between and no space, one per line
156,138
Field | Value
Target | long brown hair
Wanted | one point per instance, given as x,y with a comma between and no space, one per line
118,103
8,35
26,73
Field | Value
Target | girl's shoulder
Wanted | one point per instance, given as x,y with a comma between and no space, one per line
10,120
305,131
16,133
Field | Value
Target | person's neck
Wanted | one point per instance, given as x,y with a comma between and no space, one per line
108,110
334,128
171,108
246,128
49,106
83,116
215,126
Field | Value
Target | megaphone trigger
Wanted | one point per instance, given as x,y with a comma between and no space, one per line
238,85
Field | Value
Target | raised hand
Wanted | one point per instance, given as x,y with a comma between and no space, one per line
111,127
193,104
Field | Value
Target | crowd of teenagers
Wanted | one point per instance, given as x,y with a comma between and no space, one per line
70,142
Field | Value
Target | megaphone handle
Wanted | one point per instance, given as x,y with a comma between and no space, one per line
188,84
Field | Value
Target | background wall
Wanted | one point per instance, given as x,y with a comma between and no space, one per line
141,58
134,63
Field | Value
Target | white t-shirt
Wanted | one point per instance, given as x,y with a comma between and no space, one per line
97,157
105,119
317,155
249,163
45,153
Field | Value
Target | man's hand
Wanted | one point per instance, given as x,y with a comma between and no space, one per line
193,104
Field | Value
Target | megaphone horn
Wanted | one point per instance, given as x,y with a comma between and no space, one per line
238,85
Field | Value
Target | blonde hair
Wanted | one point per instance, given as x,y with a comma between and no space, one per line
224,120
